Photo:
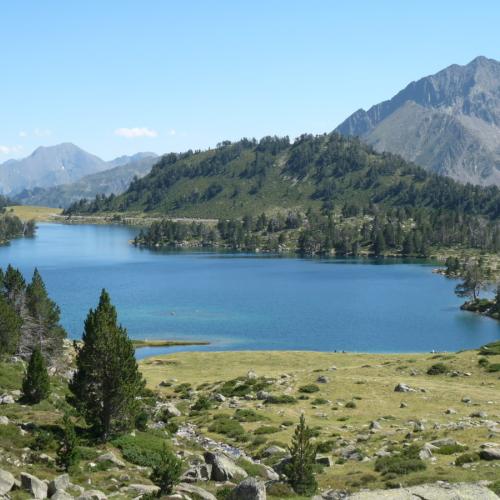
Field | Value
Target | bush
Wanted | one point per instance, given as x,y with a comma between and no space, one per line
42,440
491,349
259,440
483,362
450,449
280,490
287,423
141,421
309,388
319,401
248,415
350,404
280,399
227,426
325,446
266,429
467,458
167,472
202,404
437,369
223,493
242,386
495,487
493,368
143,449
408,461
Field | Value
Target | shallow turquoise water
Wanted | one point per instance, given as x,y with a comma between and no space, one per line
247,301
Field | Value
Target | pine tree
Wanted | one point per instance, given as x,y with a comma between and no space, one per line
67,451
379,244
14,287
303,454
44,327
107,380
166,474
36,383
10,327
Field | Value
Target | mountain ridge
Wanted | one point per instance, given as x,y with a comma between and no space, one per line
448,122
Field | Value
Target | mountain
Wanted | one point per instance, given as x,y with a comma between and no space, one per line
48,166
448,122
112,181
325,172
123,160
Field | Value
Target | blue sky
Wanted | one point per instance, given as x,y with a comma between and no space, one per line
116,77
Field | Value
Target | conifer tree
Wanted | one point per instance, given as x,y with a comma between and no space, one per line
166,474
303,454
14,287
67,451
10,327
107,380
36,383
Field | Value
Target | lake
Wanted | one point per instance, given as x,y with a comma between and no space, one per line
249,302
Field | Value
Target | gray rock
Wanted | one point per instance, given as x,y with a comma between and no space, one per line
6,399
324,460
323,379
34,485
375,426
219,397
403,388
251,375
7,482
142,489
194,492
438,491
198,472
466,399
110,457
450,411
249,489
478,414
92,495
223,468
269,473
273,450
262,395
58,483
61,495
490,454
426,452
170,410
4,420
439,443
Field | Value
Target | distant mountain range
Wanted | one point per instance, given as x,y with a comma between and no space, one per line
112,181
57,175
448,122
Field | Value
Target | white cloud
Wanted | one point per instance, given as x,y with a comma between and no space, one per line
131,133
23,133
6,150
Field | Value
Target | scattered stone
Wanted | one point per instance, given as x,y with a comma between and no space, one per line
324,460
7,482
198,472
251,375
490,454
4,420
92,495
170,410
323,379
450,411
418,426
143,489
478,414
375,426
263,395
439,443
273,450
6,399
403,405
426,451
249,489
34,485
404,388
110,457
219,397
58,483
269,473
333,368
223,468
466,399
194,492
61,495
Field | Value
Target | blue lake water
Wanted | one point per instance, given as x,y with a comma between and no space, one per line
249,302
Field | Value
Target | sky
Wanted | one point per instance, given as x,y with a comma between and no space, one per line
118,76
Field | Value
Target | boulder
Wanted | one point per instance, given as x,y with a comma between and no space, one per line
58,483
223,468
194,492
269,473
439,443
7,482
438,491
322,379
249,489
450,411
251,375
198,472
403,388
4,420
170,410
262,395
110,457
490,454
92,495
34,485
273,450
61,495
143,489
478,414
375,426
6,399
426,451
326,461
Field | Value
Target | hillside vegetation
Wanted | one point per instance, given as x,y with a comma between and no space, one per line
274,175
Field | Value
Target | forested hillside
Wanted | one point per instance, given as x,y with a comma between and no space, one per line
323,172
11,226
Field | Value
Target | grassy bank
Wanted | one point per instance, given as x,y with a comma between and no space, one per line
359,389
39,214
166,343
